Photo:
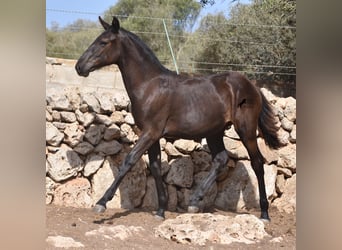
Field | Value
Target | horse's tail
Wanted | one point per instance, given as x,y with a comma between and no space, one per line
267,124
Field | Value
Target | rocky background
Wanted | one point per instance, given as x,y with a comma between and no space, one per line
90,130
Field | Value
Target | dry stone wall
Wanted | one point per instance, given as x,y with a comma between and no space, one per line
90,130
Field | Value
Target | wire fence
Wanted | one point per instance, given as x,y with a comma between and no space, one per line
185,42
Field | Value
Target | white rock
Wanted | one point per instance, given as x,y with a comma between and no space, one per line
73,134
65,163
287,202
132,188
185,146
199,229
63,242
240,191
53,136
73,193
93,163
116,232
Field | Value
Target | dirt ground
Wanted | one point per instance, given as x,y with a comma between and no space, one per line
75,222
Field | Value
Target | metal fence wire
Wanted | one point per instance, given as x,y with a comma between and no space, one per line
176,49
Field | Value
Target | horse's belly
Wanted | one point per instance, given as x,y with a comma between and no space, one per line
193,125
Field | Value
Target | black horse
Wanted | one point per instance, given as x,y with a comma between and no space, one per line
168,105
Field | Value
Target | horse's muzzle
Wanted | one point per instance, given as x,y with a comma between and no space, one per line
80,71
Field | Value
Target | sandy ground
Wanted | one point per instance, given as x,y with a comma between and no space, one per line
76,222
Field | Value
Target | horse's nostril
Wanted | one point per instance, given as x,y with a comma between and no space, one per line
78,69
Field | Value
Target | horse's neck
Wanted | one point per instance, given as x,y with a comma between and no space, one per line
137,68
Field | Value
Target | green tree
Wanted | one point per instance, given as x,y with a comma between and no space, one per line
145,18
262,33
71,41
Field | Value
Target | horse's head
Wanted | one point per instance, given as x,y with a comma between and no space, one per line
105,50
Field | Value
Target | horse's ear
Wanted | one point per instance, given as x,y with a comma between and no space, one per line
115,25
104,24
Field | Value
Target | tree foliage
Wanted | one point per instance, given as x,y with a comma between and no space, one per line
262,33
145,18
258,37
71,41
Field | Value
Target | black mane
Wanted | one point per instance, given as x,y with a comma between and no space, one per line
144,47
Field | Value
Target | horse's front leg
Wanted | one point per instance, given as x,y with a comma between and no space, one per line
144,143
155,167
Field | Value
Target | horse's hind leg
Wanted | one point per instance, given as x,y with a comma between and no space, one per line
220,159
155,167
245,125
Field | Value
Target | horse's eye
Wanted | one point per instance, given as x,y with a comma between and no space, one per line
103,43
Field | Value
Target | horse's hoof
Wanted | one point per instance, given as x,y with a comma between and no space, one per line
265,221
158,217
193,209
99,208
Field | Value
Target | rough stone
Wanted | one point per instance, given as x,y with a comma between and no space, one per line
112,133
131,190
94,133
63,242
115,232
201,160
129,119
151,197
286,124
171,150
48,116
84,148
117,117
127,134
284,171
181,172
67,116
73,134
172,198
293,134
231,133
56,116
283,137
85,118
287,202
73,193
120,100
269,95
91,101
103,119
287,157
199,229
60,125
108,147
165,166
185,146
53,136
74,98
290,109
56,100
240,190
280,184
50,187
106,103
235,148
65,163
93,163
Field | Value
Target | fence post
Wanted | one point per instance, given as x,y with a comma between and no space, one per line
169,42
